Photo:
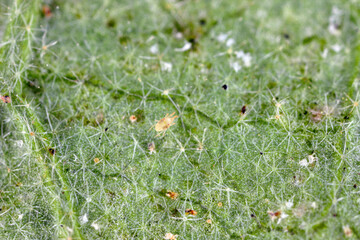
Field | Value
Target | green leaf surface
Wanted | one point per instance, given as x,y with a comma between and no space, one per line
265,144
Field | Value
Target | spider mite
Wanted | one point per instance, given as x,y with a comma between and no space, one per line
133,118
243,110
5,99
46,11
172,195
151,147
163,124
191,212
51,151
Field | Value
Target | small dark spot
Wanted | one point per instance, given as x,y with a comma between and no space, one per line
252,215
346,117
334,215
277,98
243,109
202,22
51,151
159,174
106,129
99,138
355,186
124,40
62,192
61,225
261,153
344,168
224,86
286,36
192,40
305,112
111,23
0,209
294,177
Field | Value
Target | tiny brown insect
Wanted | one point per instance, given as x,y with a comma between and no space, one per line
191,212
163,124
5,99
172,195
46,11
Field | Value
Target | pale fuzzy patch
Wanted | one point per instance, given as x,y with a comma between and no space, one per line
310,161
336,48
222,37
245,57
324,53
236,66
154,49
230,42
347,231
335,21
289,204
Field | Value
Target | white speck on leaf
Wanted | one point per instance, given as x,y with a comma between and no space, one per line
186,47
222,37
336,48
84,219
230,42
235,65
282,216
333,29
95,226
246,57
166,66
304,163
289,204
324,53
154,49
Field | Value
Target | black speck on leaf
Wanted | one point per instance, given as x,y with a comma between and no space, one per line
355,186
286,36
51,151
106,129
202,22
111,23
243,109
261,153
224,86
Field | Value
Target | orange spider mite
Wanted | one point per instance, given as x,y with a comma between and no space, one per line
163,124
